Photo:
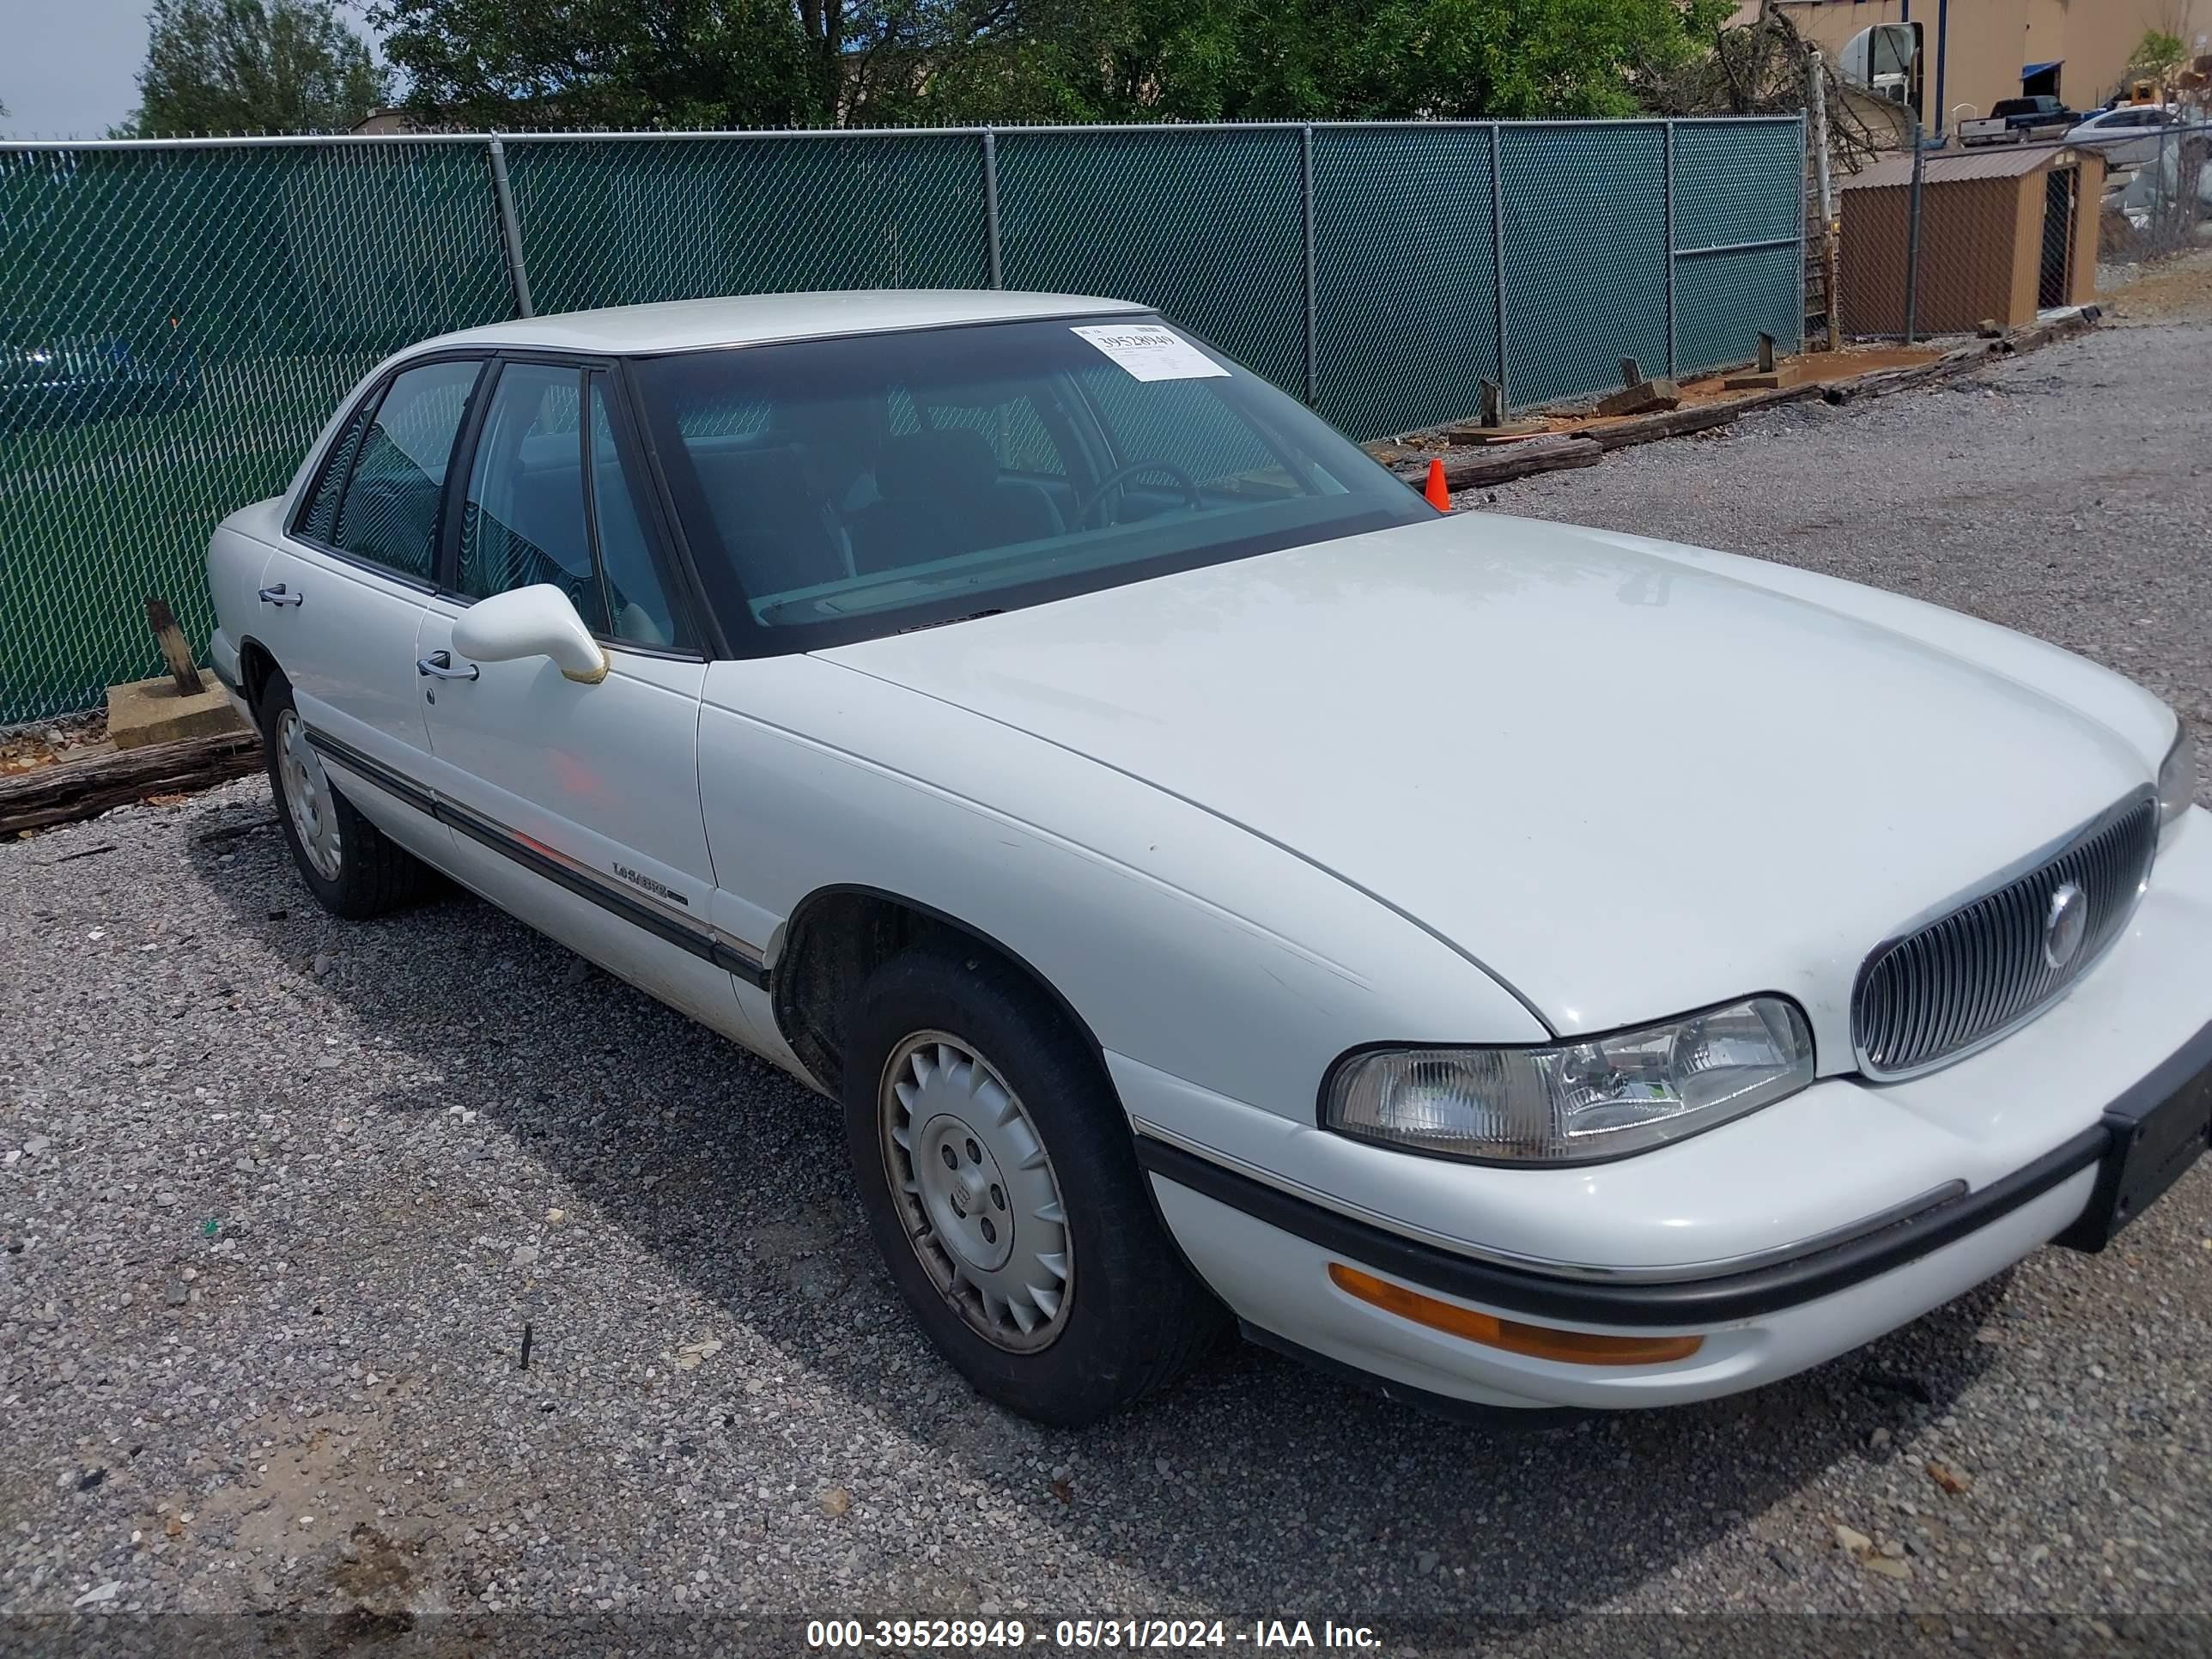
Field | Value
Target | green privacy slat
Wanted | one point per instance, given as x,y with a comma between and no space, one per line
622,221
199,314
1736,181
1585,215
1405,326
1208,223
1723,300
290,269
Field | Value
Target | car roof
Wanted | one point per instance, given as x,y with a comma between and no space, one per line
756,319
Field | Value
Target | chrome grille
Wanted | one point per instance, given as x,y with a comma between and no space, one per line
1972,974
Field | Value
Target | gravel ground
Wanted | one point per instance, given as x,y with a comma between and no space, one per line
282,1197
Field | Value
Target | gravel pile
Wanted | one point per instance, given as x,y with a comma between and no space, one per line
283,1200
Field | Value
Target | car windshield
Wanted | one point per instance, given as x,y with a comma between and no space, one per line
839,489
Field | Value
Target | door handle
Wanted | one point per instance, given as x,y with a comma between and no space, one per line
438,666
279,596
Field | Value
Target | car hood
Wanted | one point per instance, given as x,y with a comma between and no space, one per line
1625,778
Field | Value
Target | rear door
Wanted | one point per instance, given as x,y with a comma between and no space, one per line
575,806
341,599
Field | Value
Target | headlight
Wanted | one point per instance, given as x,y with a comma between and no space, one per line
1575,1103
2177,778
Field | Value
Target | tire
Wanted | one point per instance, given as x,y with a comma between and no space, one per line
1128,1317
355,872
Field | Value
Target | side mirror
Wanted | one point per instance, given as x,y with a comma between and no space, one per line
530,621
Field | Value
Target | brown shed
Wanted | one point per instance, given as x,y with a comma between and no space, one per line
2004,232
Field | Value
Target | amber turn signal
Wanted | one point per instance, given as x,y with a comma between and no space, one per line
1538,1341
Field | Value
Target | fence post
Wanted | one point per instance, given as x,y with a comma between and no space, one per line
991,206
1912,234
1816,98
1498,258
2161,232
1670,249
510,231
1312,296
1804,155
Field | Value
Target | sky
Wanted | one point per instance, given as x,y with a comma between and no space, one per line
70,67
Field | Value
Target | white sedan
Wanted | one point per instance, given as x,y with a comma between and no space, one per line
1516,966
2130,135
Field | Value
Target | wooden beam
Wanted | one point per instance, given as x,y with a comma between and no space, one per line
1471,468
175,650
71,790
1699,417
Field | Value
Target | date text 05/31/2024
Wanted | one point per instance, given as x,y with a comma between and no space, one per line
1081,1634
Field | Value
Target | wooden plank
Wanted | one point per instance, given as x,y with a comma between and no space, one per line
1680,423
1471,468
85,789
175,651
1465,469
1886,380
1662,393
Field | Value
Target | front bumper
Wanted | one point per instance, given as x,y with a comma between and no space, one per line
1791,1237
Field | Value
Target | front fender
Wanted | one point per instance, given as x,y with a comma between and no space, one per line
1178,938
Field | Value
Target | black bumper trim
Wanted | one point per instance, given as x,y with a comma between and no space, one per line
1672,1304
2125,1118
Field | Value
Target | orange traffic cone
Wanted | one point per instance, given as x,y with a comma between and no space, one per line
1438,496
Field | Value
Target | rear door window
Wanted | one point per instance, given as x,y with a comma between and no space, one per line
389,514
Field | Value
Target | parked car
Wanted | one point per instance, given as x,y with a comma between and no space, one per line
49,380
2129,136
2012,119
1208,878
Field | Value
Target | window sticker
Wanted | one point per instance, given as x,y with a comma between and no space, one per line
1151,351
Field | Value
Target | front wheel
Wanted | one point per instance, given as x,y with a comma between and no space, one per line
995,1164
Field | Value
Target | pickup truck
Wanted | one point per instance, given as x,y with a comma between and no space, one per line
2012,119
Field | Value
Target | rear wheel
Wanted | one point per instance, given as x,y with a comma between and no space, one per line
995,1166
350,866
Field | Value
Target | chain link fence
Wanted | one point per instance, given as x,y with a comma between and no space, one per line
177,318
2157,198
1967,238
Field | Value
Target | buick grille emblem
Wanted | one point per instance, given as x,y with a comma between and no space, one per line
2064,927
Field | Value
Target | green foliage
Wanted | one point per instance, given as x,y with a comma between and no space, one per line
2158,54
601,62
1321,60
782,63
239,65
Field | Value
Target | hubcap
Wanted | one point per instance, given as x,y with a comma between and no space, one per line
976,1190
307,796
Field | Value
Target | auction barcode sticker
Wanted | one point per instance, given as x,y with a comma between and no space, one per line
1151,352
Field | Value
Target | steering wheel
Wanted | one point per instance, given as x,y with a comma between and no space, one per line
1190,497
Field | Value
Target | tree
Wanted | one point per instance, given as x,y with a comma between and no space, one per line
2158,56
624,62
1320,59
780,62
238,65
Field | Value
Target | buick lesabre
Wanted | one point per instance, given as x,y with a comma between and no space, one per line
1511,966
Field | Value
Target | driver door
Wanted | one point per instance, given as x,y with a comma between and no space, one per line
575,806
